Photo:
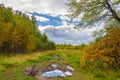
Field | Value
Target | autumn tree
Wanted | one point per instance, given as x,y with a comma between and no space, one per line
106,52
19,34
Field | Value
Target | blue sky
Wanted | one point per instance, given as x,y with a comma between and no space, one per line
51,19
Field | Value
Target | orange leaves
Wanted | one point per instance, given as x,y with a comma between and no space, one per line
107,49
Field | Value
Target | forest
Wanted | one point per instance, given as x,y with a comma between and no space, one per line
19,34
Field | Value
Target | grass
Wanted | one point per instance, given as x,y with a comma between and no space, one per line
12,67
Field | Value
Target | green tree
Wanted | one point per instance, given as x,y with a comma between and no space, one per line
96,10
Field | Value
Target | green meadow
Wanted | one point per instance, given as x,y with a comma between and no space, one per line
13,66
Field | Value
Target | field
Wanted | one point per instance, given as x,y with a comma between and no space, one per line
13,66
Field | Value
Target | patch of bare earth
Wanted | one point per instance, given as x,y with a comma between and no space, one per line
36,71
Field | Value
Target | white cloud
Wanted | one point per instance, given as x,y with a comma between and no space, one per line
79,18
64,17
67,35
41,19
56,7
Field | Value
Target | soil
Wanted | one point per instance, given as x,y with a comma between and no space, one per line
36,71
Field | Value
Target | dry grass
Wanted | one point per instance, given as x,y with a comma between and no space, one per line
6,61
19,58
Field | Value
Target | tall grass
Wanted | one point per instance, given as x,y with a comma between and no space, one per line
16,59
20,58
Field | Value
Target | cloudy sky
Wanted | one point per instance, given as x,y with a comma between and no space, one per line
51,19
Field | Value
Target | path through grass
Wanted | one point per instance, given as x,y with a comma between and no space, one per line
12,67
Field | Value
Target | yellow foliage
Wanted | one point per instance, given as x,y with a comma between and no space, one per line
106,51
31,45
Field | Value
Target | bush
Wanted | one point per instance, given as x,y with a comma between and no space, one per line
105,52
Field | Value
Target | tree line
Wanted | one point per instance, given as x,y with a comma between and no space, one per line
70,47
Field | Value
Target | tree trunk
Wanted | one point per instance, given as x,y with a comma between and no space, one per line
114,14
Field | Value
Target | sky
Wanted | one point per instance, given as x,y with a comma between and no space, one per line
51,19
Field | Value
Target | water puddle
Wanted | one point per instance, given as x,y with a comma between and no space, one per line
68,71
